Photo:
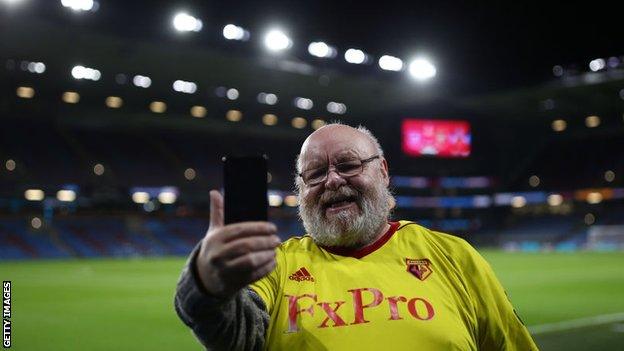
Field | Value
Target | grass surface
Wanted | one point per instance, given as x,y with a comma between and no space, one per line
112,304
96,305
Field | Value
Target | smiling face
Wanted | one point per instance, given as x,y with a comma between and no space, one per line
343,211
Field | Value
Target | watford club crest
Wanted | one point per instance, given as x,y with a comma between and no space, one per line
419,267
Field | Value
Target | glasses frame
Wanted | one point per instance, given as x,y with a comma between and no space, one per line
362,161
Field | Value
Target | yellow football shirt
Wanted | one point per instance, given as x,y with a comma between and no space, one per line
412,289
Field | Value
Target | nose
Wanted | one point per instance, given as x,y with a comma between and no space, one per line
334,180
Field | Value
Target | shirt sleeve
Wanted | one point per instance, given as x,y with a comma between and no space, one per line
235,323
499,326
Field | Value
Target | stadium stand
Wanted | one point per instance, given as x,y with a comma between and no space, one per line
498,195
132,235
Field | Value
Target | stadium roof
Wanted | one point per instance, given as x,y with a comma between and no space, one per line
479,47
480,50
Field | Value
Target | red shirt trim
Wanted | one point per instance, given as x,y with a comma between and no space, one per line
359,253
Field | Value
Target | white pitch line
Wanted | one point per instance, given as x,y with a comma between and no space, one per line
576,323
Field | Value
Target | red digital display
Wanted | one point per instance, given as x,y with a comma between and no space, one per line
439,138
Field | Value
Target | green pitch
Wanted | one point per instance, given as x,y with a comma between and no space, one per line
113,304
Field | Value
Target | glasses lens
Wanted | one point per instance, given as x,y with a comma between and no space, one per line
349,168
345,169
314,176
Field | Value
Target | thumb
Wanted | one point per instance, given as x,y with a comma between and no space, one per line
216,209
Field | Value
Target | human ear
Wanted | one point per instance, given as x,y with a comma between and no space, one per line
384,171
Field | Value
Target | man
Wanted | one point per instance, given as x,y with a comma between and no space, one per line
356,281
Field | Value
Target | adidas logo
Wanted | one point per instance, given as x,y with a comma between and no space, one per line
301,274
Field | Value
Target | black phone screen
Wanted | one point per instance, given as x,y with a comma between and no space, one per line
245,188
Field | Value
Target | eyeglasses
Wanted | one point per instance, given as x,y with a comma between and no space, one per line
345,169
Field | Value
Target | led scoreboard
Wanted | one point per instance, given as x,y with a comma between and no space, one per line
436,138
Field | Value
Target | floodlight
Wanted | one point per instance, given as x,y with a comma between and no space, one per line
303,103
183,22
321,49
267,98
79,5
337,108
597,64
142,81
184,87
422,69
355,56
232,94
234,32
276,40
390,63
81,72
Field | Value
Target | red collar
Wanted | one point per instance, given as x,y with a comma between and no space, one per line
359,253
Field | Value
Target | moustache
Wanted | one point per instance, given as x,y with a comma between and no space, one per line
342,194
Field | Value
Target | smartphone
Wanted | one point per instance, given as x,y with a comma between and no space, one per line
245,188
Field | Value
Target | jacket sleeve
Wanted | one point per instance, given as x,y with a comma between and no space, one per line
236,323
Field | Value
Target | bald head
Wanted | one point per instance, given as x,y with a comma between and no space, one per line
358,142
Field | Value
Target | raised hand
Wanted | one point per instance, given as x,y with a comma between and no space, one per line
234,255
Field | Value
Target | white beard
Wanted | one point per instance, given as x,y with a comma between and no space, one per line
346,228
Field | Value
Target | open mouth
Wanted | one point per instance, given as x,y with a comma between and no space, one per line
340,202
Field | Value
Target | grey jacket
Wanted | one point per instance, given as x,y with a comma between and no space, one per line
236,323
